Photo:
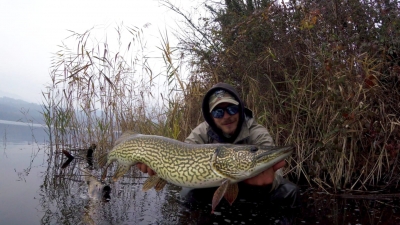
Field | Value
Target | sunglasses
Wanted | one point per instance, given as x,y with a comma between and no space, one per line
219,112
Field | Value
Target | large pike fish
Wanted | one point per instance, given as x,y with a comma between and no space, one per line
192,165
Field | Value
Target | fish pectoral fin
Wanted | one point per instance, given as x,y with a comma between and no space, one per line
218,194
231,193
121,170
154,181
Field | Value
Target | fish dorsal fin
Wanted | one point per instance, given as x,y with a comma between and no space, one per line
125,136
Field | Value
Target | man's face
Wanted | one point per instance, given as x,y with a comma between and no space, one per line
228,123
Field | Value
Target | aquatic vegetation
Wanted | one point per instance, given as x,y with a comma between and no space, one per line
327,87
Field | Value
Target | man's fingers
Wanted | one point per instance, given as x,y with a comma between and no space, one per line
150,171
145,169
142,167
264,178
279,165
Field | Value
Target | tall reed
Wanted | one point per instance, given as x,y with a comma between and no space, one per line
311,82
101,89
320,75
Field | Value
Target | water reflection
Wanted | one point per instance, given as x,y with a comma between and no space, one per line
77,202
328,209
21,164
13,132
74,195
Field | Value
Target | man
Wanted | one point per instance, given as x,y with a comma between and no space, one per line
227,120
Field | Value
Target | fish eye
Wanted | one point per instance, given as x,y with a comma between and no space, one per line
253,149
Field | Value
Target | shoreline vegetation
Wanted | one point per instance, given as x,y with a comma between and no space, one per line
323,77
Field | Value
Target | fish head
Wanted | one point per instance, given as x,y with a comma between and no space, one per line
239,162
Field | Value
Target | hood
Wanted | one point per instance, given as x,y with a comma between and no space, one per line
206,109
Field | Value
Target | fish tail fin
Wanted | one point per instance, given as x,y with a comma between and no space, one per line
102,160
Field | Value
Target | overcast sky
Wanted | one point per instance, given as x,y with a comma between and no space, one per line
30,31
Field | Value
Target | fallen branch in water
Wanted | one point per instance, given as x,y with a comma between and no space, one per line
69,156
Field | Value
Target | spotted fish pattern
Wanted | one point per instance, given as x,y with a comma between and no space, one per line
191,165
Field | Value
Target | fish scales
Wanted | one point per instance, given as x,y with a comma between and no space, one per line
172,160
193,165
188,165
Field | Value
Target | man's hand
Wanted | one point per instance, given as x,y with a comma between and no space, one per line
145,169
266,177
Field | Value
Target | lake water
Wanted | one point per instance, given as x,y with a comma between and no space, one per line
34,189
22,163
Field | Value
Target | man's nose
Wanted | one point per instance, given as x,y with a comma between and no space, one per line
226,114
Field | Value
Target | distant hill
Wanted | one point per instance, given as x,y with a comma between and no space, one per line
19,110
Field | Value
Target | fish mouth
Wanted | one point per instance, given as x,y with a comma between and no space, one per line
275,154
268,156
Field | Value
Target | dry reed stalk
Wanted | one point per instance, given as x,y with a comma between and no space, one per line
317,87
